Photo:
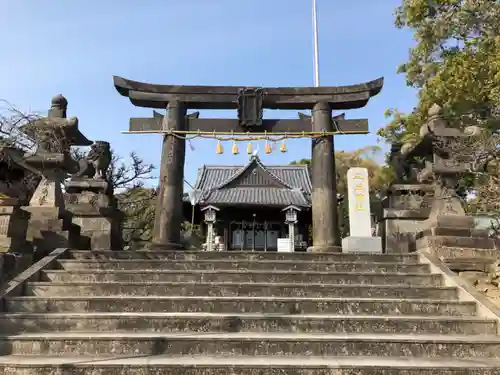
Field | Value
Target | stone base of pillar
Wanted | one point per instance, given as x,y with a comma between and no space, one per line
362,245
324,249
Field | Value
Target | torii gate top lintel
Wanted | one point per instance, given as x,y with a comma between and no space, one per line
226,97
250,102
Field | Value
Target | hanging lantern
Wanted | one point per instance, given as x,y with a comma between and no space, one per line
283,146
219,150
249,148
235,150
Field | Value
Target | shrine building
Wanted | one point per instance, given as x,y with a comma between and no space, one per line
253,205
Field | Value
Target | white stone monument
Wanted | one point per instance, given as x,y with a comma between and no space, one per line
358,195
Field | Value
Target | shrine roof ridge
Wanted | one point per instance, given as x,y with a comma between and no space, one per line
253,160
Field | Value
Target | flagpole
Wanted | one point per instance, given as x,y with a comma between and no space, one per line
316,44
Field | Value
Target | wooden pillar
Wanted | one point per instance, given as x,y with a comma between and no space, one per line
326,234
168,216
227,232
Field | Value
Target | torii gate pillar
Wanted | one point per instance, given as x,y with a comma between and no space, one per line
326,231
168,213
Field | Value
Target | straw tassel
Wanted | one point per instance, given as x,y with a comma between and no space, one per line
283,146
268,149
219,150
249,148
235,150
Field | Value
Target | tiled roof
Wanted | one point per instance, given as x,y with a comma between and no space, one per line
293,185
259,196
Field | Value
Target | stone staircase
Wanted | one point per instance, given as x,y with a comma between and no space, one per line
228,313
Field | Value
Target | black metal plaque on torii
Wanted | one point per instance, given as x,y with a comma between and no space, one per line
250,109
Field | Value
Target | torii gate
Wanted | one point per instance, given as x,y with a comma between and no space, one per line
250,103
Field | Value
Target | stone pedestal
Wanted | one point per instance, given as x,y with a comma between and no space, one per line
50,228
362,245
89,204
49,225
406,207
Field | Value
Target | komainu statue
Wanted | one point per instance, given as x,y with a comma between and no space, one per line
96,163
398,162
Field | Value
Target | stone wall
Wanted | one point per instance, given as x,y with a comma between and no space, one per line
12,264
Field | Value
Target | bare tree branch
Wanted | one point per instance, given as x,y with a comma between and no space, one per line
129,175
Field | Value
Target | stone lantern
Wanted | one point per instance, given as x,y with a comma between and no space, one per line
54,135
291,218
210,218
50,224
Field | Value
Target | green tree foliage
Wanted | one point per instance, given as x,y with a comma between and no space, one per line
301,161
455,63
380,176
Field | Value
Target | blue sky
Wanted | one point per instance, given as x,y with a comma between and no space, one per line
75,47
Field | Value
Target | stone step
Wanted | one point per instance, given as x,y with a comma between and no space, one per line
241,276
246,343
51,289
268,265
243,365
212,322
238,305
243,255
